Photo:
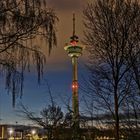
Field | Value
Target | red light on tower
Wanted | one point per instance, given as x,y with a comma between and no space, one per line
74,85
73,43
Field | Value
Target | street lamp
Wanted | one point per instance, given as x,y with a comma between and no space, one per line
11,131
33,132
74,50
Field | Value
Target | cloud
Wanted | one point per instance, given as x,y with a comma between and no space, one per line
65,4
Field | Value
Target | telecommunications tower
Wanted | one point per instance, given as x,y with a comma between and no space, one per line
74,50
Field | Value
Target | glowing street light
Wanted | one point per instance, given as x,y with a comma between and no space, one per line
11,131
33,132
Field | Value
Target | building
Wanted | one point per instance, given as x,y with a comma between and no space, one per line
20,132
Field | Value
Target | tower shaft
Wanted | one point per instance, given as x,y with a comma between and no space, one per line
74,68
75,103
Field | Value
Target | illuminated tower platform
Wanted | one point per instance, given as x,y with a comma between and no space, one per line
74,50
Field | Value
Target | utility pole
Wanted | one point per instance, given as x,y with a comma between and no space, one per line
74,50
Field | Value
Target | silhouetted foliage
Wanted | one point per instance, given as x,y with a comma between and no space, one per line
21,21
50,118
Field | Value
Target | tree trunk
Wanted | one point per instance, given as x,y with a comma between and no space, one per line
116,117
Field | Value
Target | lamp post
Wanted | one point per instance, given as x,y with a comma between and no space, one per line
74,50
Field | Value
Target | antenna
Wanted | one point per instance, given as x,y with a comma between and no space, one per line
73,24
74,37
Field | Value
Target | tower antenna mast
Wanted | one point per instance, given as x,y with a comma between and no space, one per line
73,24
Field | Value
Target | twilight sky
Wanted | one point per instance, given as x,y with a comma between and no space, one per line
58,67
